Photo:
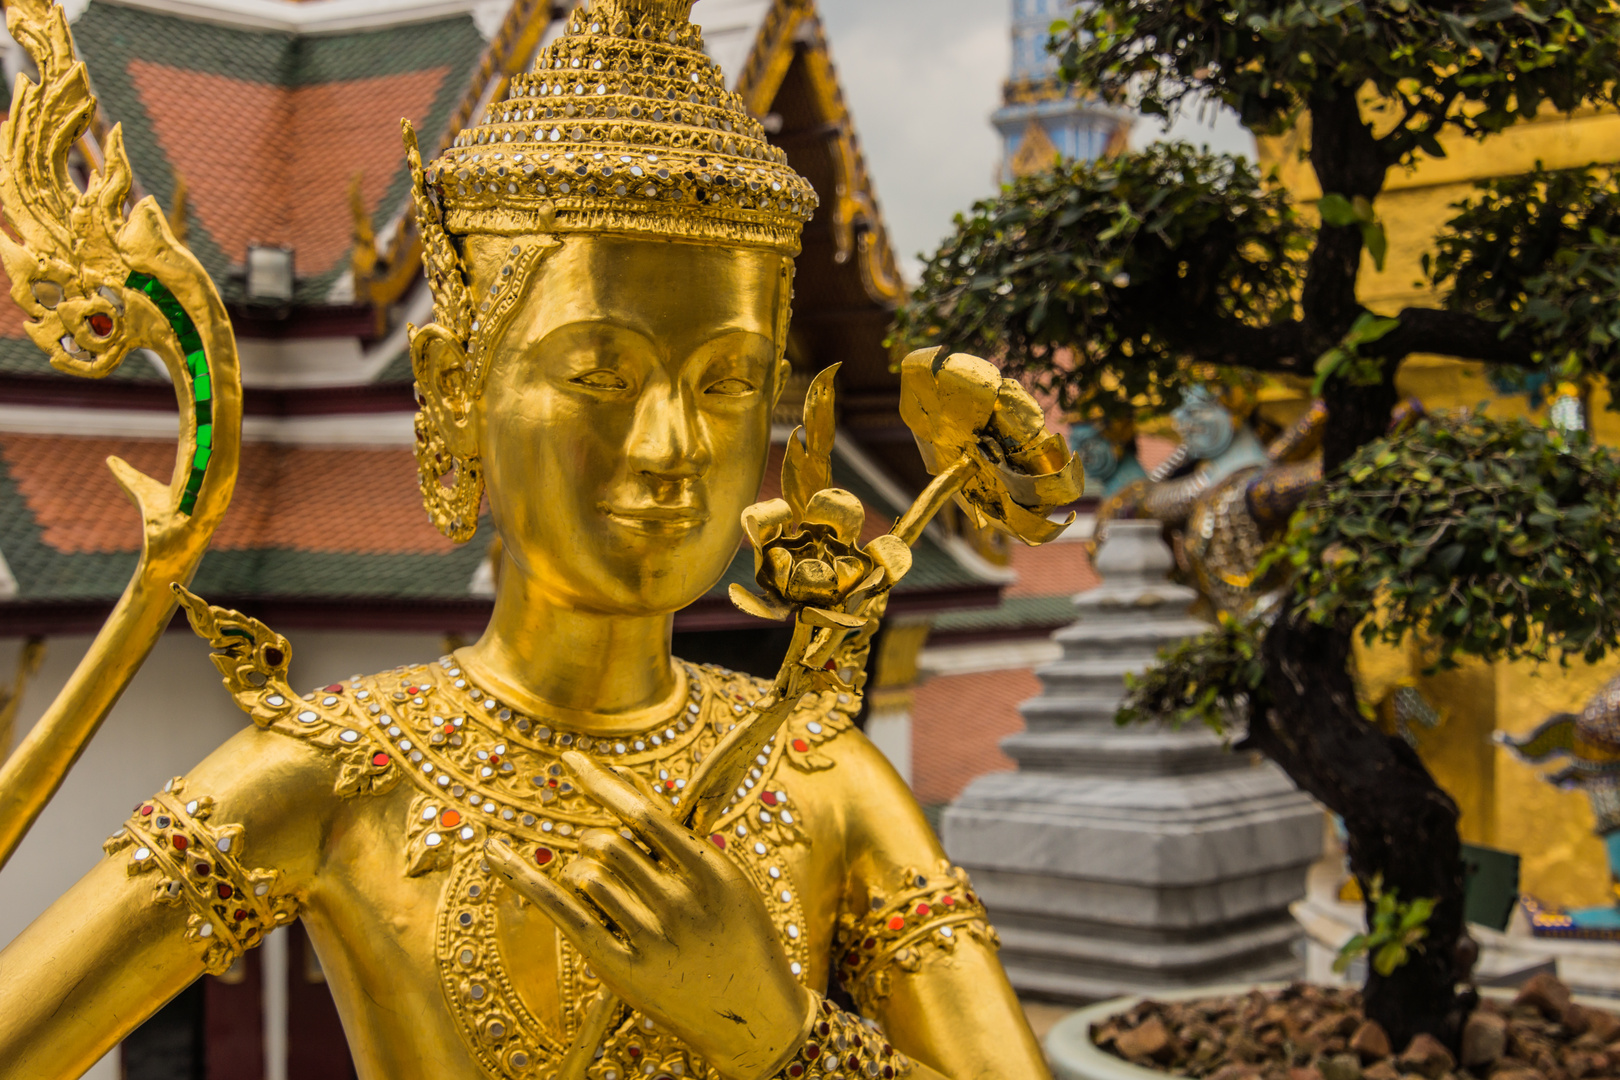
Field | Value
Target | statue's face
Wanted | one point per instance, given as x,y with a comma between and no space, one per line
626,417
1204,424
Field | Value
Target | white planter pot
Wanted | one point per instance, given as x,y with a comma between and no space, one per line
1075,1057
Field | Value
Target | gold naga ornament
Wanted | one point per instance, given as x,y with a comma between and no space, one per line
559,852
96,286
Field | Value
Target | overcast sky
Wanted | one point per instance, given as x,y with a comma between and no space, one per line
922,78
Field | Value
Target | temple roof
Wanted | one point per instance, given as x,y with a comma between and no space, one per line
268,130
318,533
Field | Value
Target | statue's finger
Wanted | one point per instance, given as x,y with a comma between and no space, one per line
652,826
640,783
573,917
631,920
626,861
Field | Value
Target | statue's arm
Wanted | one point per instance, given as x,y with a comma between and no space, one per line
914,949
186,888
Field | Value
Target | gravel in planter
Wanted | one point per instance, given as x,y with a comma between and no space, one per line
1318,1033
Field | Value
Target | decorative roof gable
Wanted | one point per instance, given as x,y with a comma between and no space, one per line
267,129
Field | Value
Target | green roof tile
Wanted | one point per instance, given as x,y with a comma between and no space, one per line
1013,613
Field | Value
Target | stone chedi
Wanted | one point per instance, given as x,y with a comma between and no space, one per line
1119,860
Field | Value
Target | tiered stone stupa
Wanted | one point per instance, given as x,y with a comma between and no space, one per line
1136,859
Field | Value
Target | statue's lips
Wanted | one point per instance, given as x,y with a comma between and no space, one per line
656,518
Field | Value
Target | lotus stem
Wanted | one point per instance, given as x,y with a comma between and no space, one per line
941,490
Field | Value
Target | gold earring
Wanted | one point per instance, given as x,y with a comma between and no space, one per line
453,507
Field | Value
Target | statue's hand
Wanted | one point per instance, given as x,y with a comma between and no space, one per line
673,928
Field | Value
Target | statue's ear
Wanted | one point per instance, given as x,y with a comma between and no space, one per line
445,379
784,372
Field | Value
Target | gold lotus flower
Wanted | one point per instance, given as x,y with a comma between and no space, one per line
815,561
986,437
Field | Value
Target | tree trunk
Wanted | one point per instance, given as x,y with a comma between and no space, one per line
1402,826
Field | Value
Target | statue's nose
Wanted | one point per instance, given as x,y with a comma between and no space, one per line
667,441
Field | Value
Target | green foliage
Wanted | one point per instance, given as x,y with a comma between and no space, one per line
1340,211
1487,539
1472,67
1541,253
1205,679
1346,359
1397,931
1117,261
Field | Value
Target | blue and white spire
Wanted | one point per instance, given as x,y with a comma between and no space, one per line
1042,119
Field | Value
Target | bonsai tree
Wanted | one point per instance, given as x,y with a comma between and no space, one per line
1116,285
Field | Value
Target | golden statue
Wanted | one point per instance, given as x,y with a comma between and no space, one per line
560,852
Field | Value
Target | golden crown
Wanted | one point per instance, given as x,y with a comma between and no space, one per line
623,126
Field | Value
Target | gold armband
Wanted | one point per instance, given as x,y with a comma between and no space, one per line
200,865
844,1045
924,916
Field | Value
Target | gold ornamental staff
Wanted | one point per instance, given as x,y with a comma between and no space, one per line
96,286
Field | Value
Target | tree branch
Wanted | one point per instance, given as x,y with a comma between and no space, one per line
1456,334
1279,348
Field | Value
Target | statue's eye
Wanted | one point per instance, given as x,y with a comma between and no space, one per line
732,387
601,380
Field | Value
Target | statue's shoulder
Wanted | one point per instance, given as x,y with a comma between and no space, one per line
339,721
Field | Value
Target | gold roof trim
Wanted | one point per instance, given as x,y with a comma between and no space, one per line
857,221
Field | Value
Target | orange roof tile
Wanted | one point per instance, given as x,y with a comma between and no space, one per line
958,722
1059,569
1151,450
293,152
12,318
346,501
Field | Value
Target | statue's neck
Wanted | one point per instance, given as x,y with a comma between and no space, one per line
612,672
